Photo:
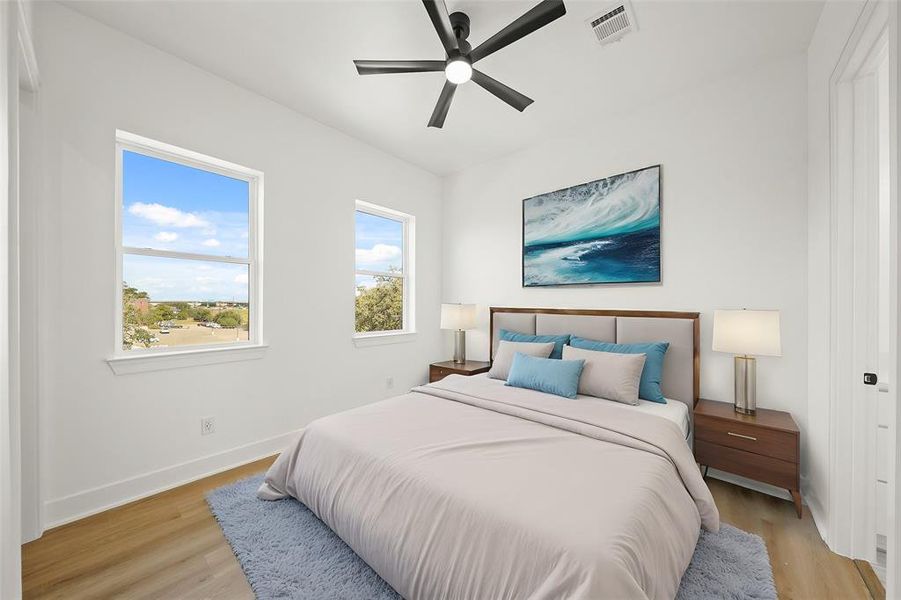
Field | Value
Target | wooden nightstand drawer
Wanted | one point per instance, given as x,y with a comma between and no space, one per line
751,438
440,370
437,374
747,464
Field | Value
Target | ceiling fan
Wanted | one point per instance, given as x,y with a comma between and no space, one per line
453,31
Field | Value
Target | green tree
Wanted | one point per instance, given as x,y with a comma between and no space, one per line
228,322
182,309
381,307
228,317
202,314
134,332
162,312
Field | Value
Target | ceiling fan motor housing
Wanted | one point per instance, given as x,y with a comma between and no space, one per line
452,30
460,24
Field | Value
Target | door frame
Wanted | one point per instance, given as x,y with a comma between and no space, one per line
893,546
851,528
10,558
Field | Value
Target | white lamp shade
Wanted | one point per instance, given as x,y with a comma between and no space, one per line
458,316
751,332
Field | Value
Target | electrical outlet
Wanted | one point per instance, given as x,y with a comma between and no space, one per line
207,425
389,382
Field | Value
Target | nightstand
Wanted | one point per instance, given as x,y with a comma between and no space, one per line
765,446
440,370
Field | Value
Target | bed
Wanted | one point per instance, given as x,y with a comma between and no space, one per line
467,488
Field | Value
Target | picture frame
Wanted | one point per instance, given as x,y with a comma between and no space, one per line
605,231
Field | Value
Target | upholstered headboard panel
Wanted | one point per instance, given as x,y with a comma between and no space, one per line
681,367
587,326
678,365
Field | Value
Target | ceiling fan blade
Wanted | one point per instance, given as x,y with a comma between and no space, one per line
438,14
538,17
444,102
507,94
381,67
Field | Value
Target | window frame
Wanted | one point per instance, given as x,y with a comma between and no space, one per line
407,276
122,360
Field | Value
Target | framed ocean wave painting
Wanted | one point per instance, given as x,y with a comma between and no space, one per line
605,231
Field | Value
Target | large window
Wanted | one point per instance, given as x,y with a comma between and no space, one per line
189,271
384,271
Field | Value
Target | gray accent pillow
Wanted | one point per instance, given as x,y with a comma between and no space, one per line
503,357
608,375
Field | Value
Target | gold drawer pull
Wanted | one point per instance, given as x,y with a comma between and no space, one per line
746,437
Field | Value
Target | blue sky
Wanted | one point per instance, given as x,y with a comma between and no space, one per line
192,280
379,245
168,206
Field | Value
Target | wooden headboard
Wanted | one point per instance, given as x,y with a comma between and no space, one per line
618,326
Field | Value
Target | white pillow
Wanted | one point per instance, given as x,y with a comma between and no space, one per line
503,358
608,375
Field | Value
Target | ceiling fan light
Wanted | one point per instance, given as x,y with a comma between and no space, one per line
458,71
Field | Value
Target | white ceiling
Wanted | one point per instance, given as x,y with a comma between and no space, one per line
300,55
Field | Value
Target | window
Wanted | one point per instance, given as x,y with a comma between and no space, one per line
188,252
384,271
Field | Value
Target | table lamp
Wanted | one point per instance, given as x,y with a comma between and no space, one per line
458,317
746,333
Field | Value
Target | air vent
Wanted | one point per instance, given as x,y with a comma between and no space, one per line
613,23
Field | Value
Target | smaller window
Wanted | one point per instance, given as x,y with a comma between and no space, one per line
384,271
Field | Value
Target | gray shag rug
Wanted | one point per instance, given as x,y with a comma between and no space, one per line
287,552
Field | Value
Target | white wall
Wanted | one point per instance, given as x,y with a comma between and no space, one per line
106,438
734,223
833,30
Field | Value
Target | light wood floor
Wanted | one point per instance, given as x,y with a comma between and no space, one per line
169,546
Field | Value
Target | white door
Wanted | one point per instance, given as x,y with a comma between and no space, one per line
866,228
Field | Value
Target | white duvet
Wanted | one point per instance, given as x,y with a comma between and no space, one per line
464,489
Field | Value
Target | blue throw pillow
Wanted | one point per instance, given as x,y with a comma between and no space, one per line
554,376
559,340
651,375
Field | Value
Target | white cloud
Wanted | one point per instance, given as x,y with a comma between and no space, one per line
211,243
166,216
166,236
378,253
241,278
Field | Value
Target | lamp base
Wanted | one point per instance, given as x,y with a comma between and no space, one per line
459,346
746,385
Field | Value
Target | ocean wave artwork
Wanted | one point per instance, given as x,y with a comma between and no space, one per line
605,231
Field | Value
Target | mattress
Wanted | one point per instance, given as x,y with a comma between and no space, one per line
673,410
467,488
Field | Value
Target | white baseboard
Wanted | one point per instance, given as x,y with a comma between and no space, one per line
818,515
88,502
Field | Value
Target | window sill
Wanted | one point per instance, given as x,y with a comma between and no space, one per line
362,340
153,361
